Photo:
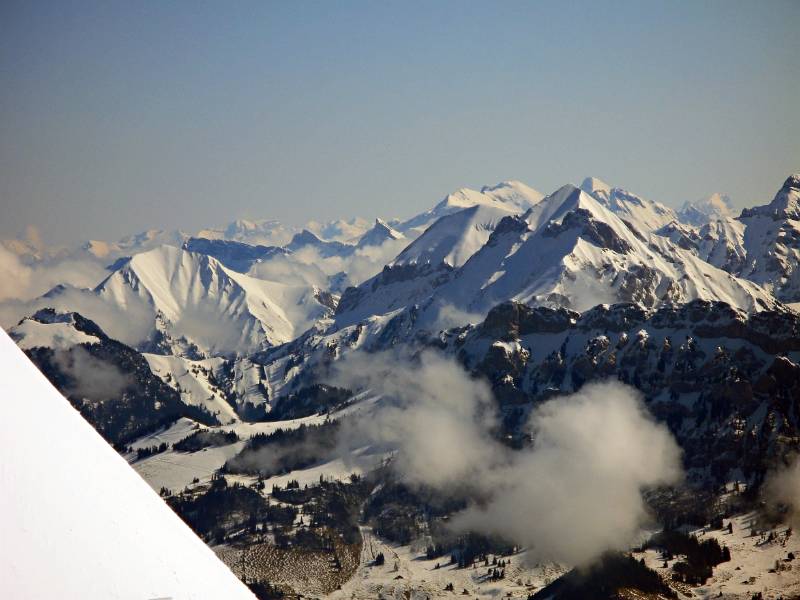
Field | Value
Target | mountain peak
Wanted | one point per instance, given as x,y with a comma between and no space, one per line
514,193
711,208
785,204
787,200
591,185
380,233
304,238
793,181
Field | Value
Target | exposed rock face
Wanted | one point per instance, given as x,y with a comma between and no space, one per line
726,383
598,233
510,320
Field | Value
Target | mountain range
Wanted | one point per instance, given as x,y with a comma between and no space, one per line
244,330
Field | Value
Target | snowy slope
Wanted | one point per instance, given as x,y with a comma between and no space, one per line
233,390
570,249
195,382
105,534
510,195
423,265
719,242
408,573
196,301
646,215
772,242
33,334
454,238
762,245
751,569
514,194
379,234
578,253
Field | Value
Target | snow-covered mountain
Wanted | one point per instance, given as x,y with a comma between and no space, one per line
425,263
134,244
570,250
719,242
58,331
532,296
307,240
576,252
339,230
452,239
234,255
772,242
380,233
761,245
266,232
713,207
201,307
512,196
108,382
646,215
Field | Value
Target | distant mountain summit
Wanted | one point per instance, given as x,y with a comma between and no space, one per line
571,249
711,208
380,233
200,307
785,204
646,215
510,196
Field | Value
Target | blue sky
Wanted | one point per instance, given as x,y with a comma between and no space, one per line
121,116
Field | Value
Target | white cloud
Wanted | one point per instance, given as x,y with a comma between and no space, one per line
307,266
91,378
19,281
574,494
783,487
577,492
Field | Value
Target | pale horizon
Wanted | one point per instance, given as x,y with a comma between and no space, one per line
118,118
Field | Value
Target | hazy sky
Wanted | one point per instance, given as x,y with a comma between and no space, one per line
121,116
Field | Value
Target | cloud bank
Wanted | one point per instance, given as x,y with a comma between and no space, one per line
435,414
577,491
782,487
92,379
307,266
574,494
19,281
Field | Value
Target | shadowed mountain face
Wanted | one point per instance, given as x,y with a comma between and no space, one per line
234,255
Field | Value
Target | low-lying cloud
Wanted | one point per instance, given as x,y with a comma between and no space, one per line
90,377
307,266
576,493
20,281
449,316
435,414
130,325
22,287
782,487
